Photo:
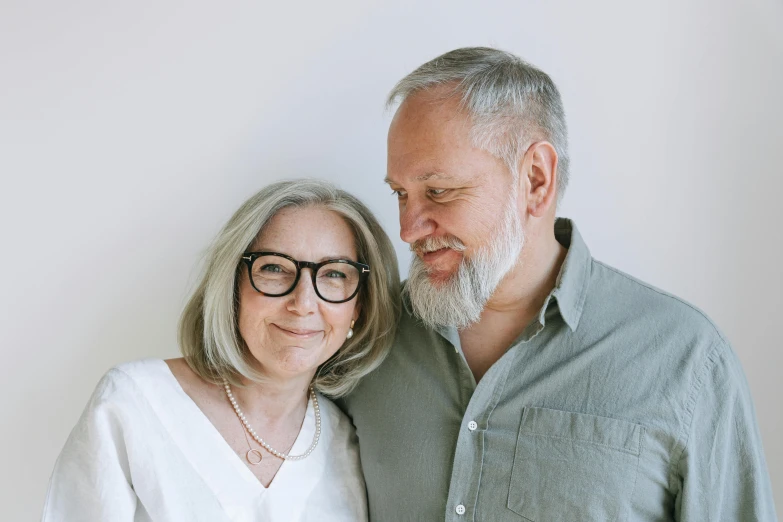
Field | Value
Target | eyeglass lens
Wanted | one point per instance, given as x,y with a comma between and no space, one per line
276,275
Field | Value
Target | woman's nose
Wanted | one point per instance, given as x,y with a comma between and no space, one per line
303,300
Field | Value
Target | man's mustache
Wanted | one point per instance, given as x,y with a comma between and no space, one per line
433,243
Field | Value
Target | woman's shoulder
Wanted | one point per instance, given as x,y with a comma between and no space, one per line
139,368
343,489
138,371
338,422
126,379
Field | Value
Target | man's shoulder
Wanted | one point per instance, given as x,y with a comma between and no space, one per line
418,352
411,327
623,298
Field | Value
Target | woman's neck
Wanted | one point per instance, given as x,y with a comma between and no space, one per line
274,400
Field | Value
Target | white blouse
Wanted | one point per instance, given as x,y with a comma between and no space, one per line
143,451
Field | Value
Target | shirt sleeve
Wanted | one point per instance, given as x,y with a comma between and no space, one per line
91,479
722,471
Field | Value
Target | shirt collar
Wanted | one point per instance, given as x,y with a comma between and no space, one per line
570,289
571,286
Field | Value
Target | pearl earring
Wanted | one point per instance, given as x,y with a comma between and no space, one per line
350,331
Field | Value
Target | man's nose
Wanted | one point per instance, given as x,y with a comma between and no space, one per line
415,221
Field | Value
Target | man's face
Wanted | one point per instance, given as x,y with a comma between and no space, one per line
457,207
446,187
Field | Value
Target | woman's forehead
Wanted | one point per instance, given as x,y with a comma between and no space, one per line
317,232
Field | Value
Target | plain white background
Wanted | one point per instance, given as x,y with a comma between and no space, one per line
130,131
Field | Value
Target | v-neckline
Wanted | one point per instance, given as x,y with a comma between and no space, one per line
247,476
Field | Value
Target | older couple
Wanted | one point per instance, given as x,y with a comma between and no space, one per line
516,378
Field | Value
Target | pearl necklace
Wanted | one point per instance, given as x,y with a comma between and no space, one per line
261,441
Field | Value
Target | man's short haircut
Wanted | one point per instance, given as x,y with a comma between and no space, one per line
511,103
208,331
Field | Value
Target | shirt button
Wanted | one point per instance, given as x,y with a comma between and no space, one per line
472,425
460,509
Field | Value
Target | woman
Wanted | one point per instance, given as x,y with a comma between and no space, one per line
299,298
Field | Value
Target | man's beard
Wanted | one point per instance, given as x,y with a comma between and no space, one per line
460,301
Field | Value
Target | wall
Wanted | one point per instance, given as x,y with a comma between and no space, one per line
130,131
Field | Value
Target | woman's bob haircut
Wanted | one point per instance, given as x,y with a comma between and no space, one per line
208,329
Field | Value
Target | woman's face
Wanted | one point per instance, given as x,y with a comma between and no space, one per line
292,335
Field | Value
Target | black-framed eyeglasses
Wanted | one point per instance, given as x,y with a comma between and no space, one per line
275,275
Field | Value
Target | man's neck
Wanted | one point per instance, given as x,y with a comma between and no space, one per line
526,287
516,302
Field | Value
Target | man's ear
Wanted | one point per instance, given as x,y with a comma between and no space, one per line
539,167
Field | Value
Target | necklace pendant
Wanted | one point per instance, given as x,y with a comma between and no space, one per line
254,457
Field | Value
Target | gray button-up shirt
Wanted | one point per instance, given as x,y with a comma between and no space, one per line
620,402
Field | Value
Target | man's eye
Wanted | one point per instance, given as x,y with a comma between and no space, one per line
437,192
398,193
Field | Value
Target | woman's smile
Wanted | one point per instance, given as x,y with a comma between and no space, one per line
297,332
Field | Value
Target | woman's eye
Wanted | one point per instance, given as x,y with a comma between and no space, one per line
335,274
272,268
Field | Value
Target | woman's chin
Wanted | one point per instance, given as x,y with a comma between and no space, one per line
293,363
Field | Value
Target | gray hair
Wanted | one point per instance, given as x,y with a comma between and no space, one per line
511,103
208,331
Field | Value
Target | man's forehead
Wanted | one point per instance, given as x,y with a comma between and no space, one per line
427,113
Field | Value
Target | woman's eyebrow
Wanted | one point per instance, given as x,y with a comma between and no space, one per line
326,258
321,260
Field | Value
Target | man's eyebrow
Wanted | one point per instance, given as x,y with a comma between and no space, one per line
425,177
434,176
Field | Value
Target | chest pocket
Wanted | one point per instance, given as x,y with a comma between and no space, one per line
573,467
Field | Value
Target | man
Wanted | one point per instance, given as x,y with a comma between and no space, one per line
529,381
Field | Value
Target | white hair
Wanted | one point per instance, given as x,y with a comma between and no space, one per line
511,103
